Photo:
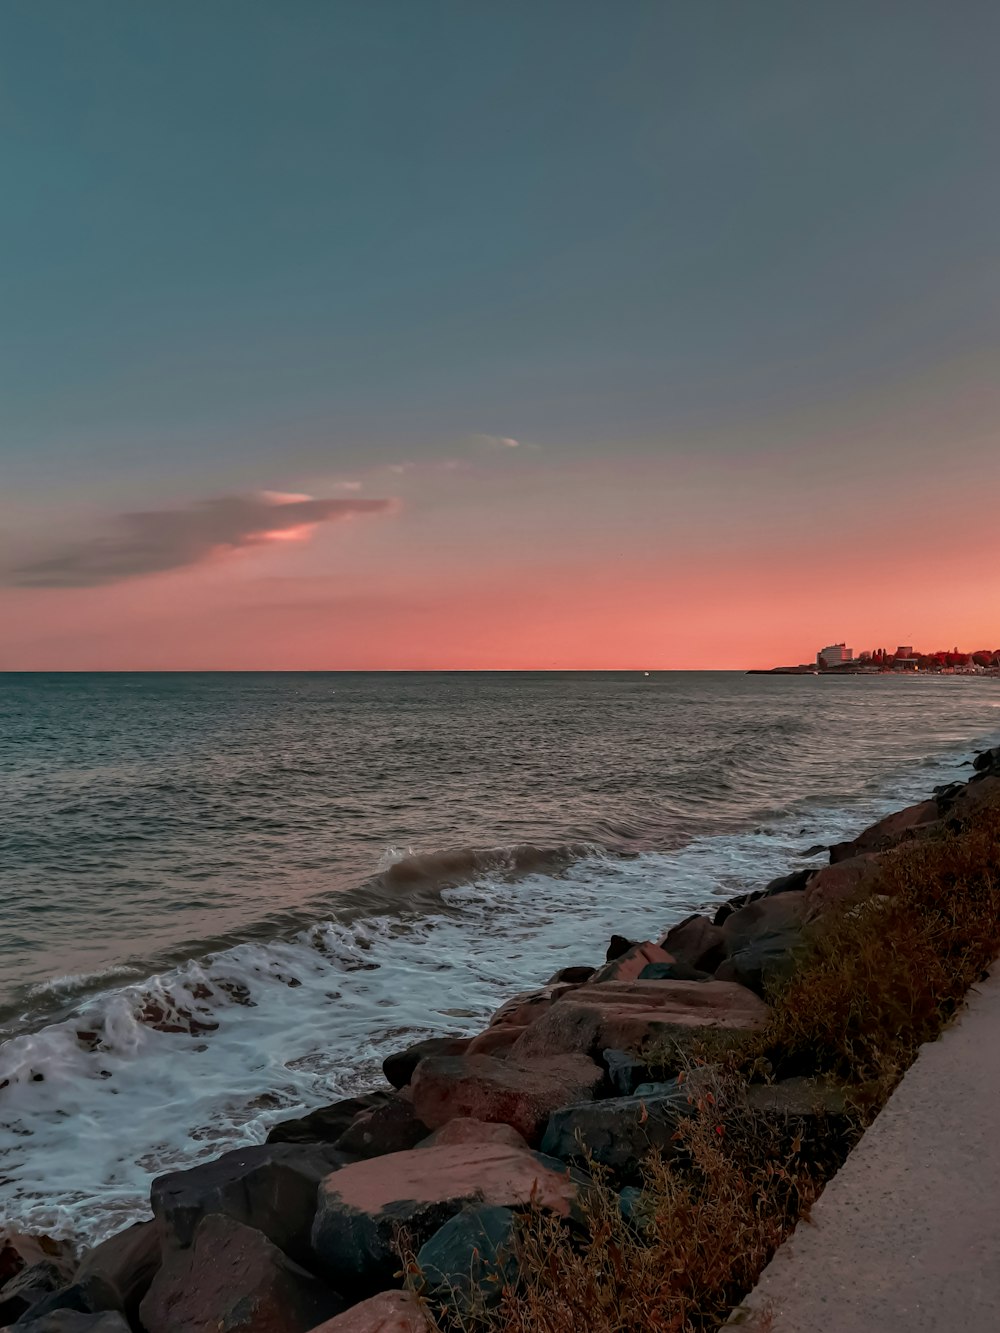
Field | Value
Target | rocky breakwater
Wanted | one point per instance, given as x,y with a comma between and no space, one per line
308,1231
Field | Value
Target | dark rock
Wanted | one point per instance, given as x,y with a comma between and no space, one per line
73,1321
856,878
619,945
817,849
116,1274
630,1204
326,1124
576,976
467,1263
619,1132
625,1071
520,1093
735,904
270,1187
792,883
399,1068
695,941
25,1289
232,1278
764,940
988,761
392,1127
71,1298
896,828
627,966
364,1207
672,972
19,1251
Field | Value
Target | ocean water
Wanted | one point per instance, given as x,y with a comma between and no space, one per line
224,898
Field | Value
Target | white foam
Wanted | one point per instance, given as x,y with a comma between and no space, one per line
268,1030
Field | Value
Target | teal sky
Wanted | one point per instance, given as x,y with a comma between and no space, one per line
281,246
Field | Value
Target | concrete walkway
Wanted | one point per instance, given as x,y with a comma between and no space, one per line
906,1237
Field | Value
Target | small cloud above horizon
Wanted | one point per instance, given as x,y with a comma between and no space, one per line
155,541
498,441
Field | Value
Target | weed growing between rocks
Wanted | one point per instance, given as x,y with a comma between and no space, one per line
880,977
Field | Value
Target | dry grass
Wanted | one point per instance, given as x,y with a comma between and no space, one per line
880,978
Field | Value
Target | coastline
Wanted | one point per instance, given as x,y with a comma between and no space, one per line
541,1053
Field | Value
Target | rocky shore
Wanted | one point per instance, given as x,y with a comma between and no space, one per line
378,1213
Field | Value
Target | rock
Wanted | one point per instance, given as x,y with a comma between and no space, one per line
734,905
398,1068
631,1204
364,1206
232,1278
625,1015
982,790
576,975
464,1130
516,1092
27,1288
619,1132
18,1251
619,945
388,1312
672,972
695,941
764,940
628,965
496,1041
843,883
116,1274
270,1187
787,883
327,1123
988,761
467,1263
625,1071
889,832
392,1127
73,1321
796,1098
520,1010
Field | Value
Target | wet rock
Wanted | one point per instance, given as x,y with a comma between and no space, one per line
496,1041
363,1207
73,1321
619,945
988,761
837,885
270,1187
576,976
116,1274
672,972
734,905
625,1015
619,1132
232,1278
764,940
327,1123
467,1263
628,965
792,883
515,1092
388,1312
398,1068
392,1127
523,1009
695,941
898,827
464,1130
625,1071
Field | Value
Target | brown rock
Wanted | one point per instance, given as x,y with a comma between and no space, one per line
523,1009
392,1127
388,1312
495,1041
327,1123
695,941
625,1015
19,1250
117,1273
889,832
980,792
628,965
466,1130
398,1068
233,1278
857,877
363,1208
519,1093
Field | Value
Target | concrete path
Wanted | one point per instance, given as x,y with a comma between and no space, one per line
906,1237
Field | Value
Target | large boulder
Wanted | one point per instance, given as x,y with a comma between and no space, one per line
841,884
621,1131
73,1321
898,827
270,1187
627,1015
577,975
116,1274
627,966
466,1131
791,883
520,1010
988,761
18,1251
520,1093
27,1288
982,791
232,1278
626,1071
327,1123
364,1208
398,1068
466,1264
392,1127
697,942
388,1312
764,940
496,1041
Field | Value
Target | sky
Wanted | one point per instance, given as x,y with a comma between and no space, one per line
459,334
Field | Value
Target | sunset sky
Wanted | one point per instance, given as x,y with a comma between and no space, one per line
497,333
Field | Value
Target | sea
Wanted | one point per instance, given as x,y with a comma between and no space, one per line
225,898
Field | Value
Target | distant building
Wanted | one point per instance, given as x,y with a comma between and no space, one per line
905,650
906,663
835,654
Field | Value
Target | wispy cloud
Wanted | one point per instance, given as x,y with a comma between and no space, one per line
498,441
156,540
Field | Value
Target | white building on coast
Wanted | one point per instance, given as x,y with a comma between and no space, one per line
835,654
